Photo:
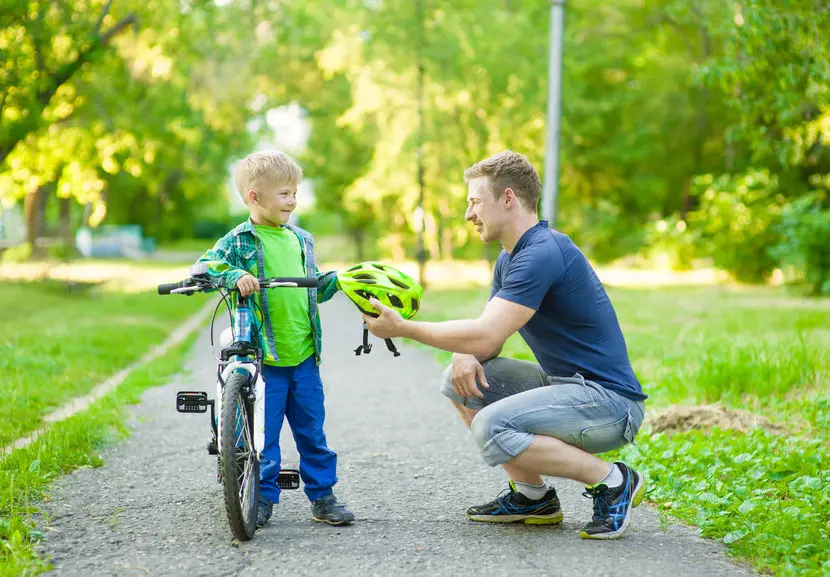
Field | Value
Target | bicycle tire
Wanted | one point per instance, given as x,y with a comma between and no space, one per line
241,508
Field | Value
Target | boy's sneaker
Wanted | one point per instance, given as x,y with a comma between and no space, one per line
264,510
328,510
612,507
513,507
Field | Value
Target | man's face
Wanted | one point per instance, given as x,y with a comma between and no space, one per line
275,203
483,210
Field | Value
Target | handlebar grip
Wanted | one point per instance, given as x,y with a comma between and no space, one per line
164,289
300,281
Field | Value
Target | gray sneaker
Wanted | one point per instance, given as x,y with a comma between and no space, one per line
327,510
263,512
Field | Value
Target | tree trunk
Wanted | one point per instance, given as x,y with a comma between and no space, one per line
66,228
35,212
359,237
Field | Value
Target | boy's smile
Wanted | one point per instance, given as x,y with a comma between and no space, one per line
273,205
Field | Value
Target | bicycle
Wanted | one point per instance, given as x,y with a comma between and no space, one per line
240,395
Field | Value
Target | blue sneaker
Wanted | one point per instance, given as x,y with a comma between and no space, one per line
513,507
612,507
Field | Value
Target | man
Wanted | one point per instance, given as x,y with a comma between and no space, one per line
581,399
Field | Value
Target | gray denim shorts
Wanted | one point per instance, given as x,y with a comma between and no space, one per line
523,401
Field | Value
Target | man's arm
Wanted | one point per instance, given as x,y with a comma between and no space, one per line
481,337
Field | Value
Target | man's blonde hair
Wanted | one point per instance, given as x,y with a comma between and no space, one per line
261,169
511,170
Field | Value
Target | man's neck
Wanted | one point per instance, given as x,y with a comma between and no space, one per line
514,230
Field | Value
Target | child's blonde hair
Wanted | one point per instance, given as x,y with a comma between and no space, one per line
265,168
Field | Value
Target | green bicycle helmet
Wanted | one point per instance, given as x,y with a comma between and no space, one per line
387,284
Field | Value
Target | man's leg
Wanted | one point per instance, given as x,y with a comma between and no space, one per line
530,499
554,431
515,472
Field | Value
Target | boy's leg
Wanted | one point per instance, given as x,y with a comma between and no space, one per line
305,411
277,383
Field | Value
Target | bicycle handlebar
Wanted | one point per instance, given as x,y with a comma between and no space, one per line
193,285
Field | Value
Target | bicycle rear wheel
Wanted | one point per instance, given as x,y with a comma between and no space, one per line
237,457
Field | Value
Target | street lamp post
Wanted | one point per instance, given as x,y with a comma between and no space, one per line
420,216
557,41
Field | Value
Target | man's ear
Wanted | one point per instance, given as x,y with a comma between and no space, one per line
509,197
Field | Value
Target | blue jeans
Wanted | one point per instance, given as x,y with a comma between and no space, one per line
296,394
523,401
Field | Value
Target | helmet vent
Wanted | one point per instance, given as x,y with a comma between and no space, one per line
398,283
355,267
365,278
395,301
379,266
363,294
415,305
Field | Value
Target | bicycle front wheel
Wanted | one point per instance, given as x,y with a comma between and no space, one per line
238,458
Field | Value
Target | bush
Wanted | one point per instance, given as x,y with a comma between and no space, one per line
17,253
737,220
671,239
805,241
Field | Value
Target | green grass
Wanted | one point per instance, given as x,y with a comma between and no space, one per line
764,495
56,345
25,475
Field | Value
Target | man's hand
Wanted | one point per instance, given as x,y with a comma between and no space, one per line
247,285
389,324
465,370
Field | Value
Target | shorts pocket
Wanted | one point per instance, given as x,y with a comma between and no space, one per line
608,436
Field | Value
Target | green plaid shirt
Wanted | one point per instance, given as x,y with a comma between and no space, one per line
240,252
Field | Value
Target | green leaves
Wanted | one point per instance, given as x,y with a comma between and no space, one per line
750,500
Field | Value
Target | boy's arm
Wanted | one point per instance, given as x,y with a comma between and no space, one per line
221,261
326,285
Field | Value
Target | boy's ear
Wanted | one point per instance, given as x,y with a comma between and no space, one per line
251,196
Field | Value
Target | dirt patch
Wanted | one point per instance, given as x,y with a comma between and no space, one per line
682,418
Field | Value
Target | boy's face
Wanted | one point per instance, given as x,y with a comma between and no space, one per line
273,204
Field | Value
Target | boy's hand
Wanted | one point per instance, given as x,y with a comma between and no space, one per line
247,285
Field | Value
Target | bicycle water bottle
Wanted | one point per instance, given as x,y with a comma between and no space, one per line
242,324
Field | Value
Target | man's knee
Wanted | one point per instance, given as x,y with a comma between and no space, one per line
485,426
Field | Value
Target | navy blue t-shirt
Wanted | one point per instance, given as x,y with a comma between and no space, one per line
575,328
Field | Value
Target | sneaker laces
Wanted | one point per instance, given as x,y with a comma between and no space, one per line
602,501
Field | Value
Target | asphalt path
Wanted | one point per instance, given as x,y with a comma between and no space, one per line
407,467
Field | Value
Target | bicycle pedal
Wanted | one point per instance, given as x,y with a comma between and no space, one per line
191,402
289,479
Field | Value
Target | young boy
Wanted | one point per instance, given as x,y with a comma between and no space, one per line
266,246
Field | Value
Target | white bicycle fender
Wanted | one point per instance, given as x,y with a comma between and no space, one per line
259,403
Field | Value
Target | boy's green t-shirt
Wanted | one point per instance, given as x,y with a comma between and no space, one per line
288,307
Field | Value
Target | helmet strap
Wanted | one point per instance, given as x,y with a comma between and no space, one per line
391,346
365,347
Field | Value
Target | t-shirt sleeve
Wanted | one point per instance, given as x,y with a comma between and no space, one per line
497,272
531,274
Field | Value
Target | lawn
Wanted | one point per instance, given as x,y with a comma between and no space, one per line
57,341
57,344
758,354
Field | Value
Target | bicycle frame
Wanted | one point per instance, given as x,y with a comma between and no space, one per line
243,353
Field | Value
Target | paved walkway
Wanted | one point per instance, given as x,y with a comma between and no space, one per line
408,469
